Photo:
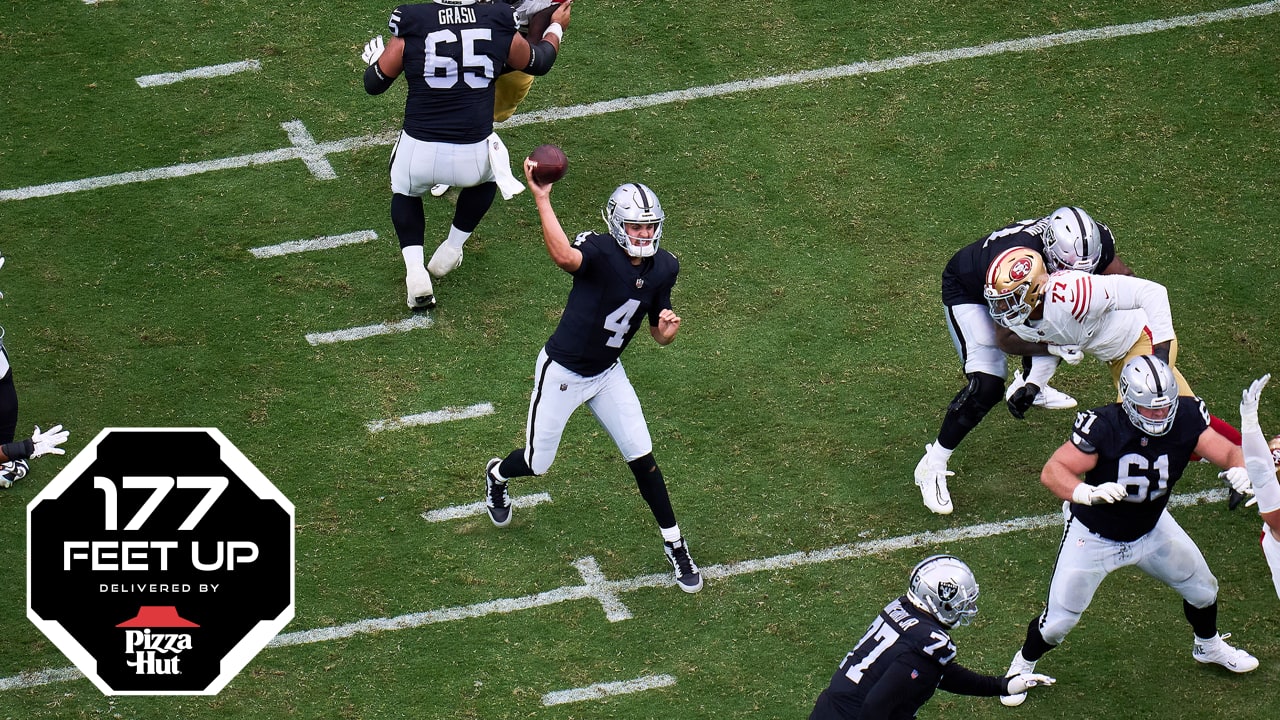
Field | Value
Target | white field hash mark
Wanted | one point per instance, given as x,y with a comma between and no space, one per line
600,690
327,242
198,73
359,333
456,512
607,591
309,153
431,418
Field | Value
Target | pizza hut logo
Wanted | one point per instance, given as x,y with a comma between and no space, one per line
1020,269
151,651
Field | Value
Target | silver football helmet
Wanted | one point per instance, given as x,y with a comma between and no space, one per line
1147,383
1071,241
634,204
944,586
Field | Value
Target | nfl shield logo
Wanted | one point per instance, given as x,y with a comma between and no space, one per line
639,283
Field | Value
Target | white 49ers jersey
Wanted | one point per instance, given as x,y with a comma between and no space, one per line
1103,314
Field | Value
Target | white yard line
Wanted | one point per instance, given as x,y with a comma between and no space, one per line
416,322
208,71
327,242
601,690
456,512
606,592
313,153
431,418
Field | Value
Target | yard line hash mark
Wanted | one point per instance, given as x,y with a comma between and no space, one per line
327,242
416,322
434,417
308,153
601,690
456,512
657,580
198,73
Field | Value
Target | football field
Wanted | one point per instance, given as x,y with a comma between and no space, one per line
194,217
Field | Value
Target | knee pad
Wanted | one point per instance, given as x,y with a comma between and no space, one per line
977,398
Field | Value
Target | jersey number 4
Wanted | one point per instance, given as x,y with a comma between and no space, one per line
618,322
442,71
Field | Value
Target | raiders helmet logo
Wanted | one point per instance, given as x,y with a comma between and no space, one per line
1020,269
564,386
947,590
639,283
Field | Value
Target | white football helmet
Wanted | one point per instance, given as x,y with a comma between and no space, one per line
944,586
1014,285
1147,383
634,204
1071,241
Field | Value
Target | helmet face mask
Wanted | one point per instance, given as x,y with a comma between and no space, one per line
634,205
1149,394
945,587
1014,285
1071,241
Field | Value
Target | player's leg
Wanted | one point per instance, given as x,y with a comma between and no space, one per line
1170,555
1081,567
510,90
617,409
550,407
974,337
14,470
409,219
465,166
1271,551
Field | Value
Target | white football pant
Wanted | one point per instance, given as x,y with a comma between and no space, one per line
558,391
1166,553
1271,551
417,165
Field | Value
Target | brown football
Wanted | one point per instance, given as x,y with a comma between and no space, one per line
552,164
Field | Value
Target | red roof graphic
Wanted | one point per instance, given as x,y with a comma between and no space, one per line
157,616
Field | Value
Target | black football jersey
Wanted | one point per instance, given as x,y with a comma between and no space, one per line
1147,466
966,273
452,55
609,299
896,666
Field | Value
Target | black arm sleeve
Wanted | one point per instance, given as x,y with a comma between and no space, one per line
375,83
542,55
961,680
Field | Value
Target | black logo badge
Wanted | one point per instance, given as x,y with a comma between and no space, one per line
160,561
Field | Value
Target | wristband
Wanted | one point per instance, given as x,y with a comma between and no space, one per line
20,450
554,29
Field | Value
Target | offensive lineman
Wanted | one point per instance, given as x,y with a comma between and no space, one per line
451,51
1070,239
1131,454
619,279
907,653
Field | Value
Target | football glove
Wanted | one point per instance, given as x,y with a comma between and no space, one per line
46,443
1070,353
1249,402
1086,494
1022,399
1019,683
1238,479
372,50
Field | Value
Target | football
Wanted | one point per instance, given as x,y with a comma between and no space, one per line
552,164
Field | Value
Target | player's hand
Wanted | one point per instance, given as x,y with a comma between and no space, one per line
46,443
1110,492
1022,399
535,189
668,323
1249,401
372,50
561,15
1020,683
1238,479
1070,353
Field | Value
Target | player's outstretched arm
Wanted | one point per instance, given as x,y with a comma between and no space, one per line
562,252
